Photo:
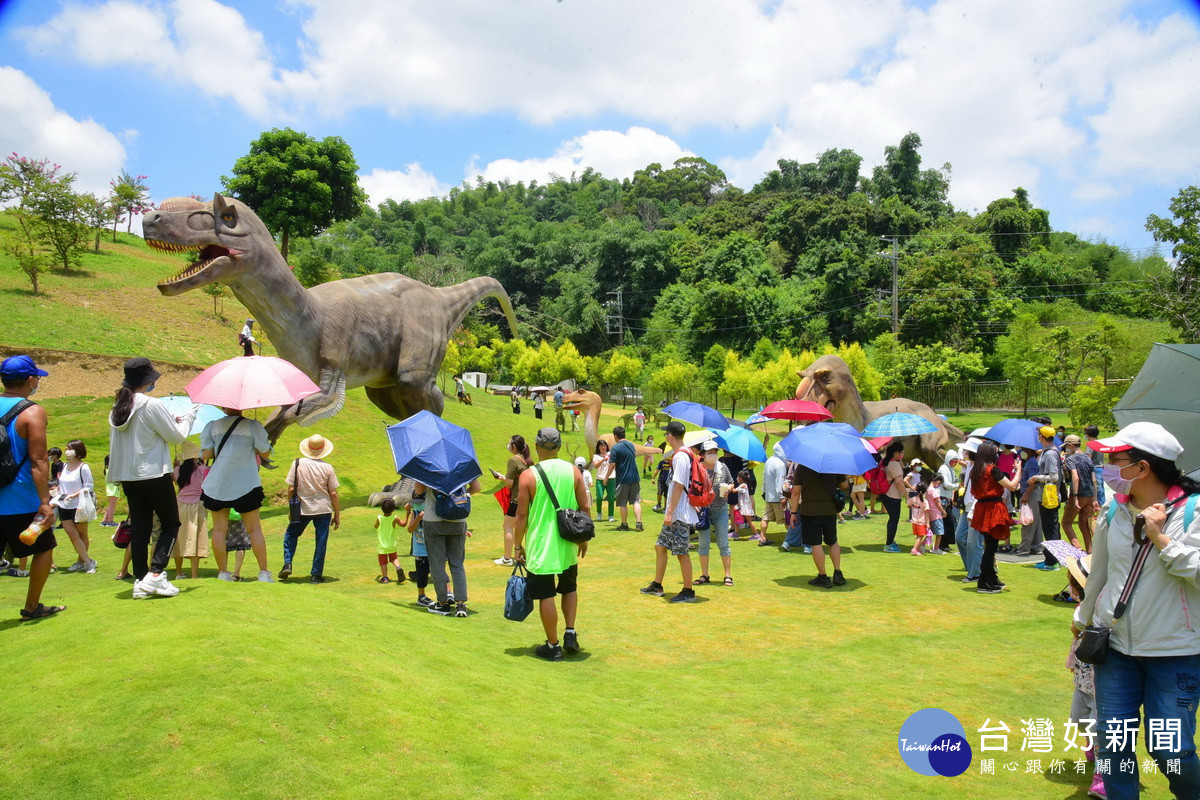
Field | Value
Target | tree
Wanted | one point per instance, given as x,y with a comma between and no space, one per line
672,379
712,369
215,290
1092,404
1025,355
296,184
46,213
1178,293
742,379
60,221
622,370
129,196
95,213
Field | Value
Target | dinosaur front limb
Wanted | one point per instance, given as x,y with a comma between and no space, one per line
313,408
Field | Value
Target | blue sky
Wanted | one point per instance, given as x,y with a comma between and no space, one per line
1094,107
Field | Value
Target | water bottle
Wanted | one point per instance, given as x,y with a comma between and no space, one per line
41,523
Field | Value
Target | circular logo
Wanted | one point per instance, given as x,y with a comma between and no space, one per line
933,742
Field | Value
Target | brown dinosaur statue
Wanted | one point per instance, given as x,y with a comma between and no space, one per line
829,382
385,332
588,404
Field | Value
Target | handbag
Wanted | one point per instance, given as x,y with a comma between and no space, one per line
517,603
121,538
1050,495
1025,515
573,525
1093,641
504,498
294,501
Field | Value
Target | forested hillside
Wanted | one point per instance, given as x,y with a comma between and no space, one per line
800,260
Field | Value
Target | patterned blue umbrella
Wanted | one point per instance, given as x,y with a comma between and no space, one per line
698,414
899,424
433,451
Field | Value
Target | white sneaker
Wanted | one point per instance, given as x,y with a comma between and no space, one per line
91,567
159,585
225,576
265,577
78,566
138,592
503,562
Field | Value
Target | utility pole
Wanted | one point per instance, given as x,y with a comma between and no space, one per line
615,321
894,256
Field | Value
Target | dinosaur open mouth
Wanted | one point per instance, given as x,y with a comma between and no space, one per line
207,255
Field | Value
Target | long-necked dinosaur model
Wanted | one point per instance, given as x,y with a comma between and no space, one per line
588,404
829,382
384,332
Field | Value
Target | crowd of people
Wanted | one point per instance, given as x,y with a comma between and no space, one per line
978,500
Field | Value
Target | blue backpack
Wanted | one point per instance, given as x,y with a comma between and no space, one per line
454,506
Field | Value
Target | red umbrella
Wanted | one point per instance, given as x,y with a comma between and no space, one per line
251,382
880,442
797,411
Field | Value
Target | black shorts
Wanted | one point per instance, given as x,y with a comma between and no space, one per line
250,501
511,511
817,530
67,515
542,587
11,526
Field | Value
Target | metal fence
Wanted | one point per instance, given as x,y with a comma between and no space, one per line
997,395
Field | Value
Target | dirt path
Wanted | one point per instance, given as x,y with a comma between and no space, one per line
90,375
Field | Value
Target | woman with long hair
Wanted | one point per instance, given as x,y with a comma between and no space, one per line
74,480
893,499
1153,665
606,480
140,449
991,517
519,460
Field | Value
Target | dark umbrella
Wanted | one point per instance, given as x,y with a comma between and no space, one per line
433,451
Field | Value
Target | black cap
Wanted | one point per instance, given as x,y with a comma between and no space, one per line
675,428
139,372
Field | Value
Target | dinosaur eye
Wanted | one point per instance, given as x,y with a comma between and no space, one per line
227,216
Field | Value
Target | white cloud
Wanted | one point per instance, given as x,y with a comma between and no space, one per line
200,42
410,183
34,127
613,154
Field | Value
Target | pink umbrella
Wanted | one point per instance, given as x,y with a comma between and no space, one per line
251,382
797,410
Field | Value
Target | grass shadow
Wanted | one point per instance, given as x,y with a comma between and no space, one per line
298,580
1049,600
527,652
802,582
20,292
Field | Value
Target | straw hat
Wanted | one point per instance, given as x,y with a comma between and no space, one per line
316,446
189,450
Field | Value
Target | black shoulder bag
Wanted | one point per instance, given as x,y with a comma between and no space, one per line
573,525
294,501
1093,642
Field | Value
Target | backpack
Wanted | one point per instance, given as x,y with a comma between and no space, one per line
877,480
9,467
454,506
699,485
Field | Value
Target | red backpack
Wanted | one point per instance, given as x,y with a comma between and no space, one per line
699,486
877,481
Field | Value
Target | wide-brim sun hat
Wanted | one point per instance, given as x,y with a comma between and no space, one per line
316,446
189,450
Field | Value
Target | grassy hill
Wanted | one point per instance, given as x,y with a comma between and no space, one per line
769,688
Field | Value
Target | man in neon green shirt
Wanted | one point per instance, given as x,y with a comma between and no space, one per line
552,561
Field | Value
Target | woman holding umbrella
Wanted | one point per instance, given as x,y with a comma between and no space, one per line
991,517
140,460
893,499
232,443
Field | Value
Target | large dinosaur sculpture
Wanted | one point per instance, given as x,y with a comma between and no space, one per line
829,382
384,332
588,404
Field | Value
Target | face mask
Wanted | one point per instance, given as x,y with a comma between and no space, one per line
1111,475
69,455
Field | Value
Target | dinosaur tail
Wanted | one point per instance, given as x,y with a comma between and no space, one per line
462,297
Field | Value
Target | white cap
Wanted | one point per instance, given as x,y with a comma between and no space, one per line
708,445
971,445
579,462
1149,437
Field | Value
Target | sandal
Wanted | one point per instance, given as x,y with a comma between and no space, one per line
728,581
383,579
701,580
42,611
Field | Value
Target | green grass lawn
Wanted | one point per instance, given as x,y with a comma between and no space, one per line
770,688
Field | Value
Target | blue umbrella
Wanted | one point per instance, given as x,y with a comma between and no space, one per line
1016,432
899,425
826,449
433,451
756,418
741,442
698,414
177,404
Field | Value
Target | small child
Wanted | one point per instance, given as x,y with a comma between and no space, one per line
237,541
385,527
112,491
920,526
648,460
1083,699
745,503
416,513
662,483
581,464
936,513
